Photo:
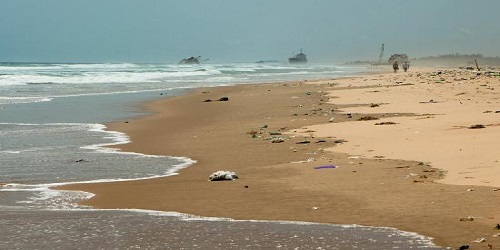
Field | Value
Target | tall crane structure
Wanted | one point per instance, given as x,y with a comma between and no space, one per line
381,54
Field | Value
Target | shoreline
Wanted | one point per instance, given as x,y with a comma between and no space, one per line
216,135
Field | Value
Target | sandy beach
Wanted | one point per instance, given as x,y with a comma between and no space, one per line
418,151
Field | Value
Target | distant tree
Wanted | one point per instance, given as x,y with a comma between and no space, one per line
400,58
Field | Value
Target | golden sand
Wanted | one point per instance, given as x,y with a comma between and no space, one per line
423,169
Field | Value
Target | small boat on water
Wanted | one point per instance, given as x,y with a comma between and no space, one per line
298,58
192,60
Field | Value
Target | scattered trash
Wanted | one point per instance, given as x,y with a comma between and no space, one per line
274,133
463,247
327,166
224,99
367,118
385,123
477,126
207,100
223,175
252,132
411,175
497,227
303,142
277,140
480,240
306,161
315,208
469,218
430,101
470,189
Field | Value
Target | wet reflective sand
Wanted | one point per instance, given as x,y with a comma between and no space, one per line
30,229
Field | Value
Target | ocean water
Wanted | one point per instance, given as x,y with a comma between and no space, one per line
52,133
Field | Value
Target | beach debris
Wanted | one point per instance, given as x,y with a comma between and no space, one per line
246,186
327,166
490,246
274,133
223,175
277,139
315,208
321,140
430,101
223,99
81,160
463,247
303,142
373,105
207,100
385,123
477,126
480,240
497,227
470,189
252,132
410,175
367,118
331,119
468,218
306,161
264,126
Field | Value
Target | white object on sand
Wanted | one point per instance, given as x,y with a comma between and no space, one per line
223,175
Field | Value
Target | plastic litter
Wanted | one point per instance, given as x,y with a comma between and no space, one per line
327,166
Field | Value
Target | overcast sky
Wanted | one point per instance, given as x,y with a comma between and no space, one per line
243,30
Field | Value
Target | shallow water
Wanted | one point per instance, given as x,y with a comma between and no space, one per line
142,230
51,133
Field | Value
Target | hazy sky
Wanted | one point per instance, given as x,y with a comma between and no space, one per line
243,30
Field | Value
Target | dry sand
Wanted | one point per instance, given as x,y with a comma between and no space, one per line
409,175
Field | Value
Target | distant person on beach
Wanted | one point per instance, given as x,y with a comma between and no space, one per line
406,66
395,66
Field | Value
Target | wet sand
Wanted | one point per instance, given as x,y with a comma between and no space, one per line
375,184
